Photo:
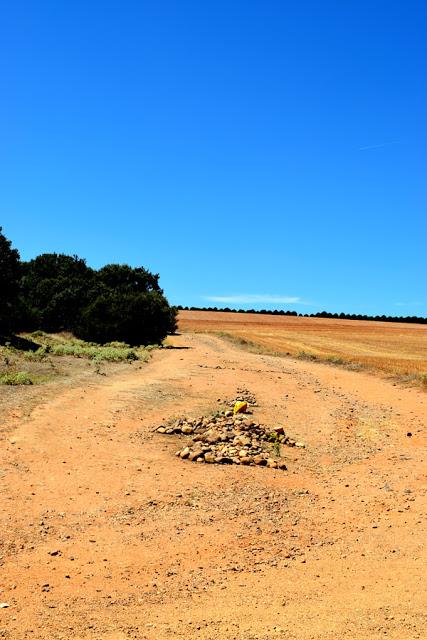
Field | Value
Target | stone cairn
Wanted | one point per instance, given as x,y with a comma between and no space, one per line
230,438
243,395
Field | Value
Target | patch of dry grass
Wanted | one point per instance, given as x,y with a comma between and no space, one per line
394,349
49,356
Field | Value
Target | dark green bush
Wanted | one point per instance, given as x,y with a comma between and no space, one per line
131,317
9,284
55,292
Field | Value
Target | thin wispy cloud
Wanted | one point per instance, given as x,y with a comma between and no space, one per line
376,146
408,304
255,299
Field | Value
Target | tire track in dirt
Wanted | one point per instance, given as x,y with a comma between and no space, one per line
106,534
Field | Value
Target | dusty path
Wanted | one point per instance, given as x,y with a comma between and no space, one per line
105,534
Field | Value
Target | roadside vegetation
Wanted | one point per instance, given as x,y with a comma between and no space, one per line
55,312
56,293
67,345
18,378
38,357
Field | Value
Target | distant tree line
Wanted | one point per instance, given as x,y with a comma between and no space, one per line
321,314
56,292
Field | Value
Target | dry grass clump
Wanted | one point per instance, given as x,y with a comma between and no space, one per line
65,344
41,357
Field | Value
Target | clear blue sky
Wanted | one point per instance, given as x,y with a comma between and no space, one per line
263,152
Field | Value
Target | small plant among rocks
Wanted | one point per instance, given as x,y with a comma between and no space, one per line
225,438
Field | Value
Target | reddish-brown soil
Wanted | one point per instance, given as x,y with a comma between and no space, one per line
106,535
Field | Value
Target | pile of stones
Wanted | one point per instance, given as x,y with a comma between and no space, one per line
244,395
228,438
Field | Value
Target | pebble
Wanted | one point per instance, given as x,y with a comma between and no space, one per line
187,430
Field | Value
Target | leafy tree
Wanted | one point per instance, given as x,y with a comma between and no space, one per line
126,304
9,283
54,290
132,317
124,278
118,302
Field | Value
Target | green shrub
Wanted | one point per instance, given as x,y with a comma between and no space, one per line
117,345
306,355
137,318
19,378
39,355
38,334
67,345
92,352
335,360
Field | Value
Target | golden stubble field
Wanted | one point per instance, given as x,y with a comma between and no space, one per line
396,349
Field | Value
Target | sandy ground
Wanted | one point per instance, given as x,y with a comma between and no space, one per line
105,534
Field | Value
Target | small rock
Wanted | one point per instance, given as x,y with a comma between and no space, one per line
240,407
213,437
279,430
187,430
271,463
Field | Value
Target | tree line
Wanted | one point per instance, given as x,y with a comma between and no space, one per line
321,314
56,292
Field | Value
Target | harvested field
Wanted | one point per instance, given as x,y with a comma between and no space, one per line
396,349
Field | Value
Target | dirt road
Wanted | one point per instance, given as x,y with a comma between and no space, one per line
106,535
